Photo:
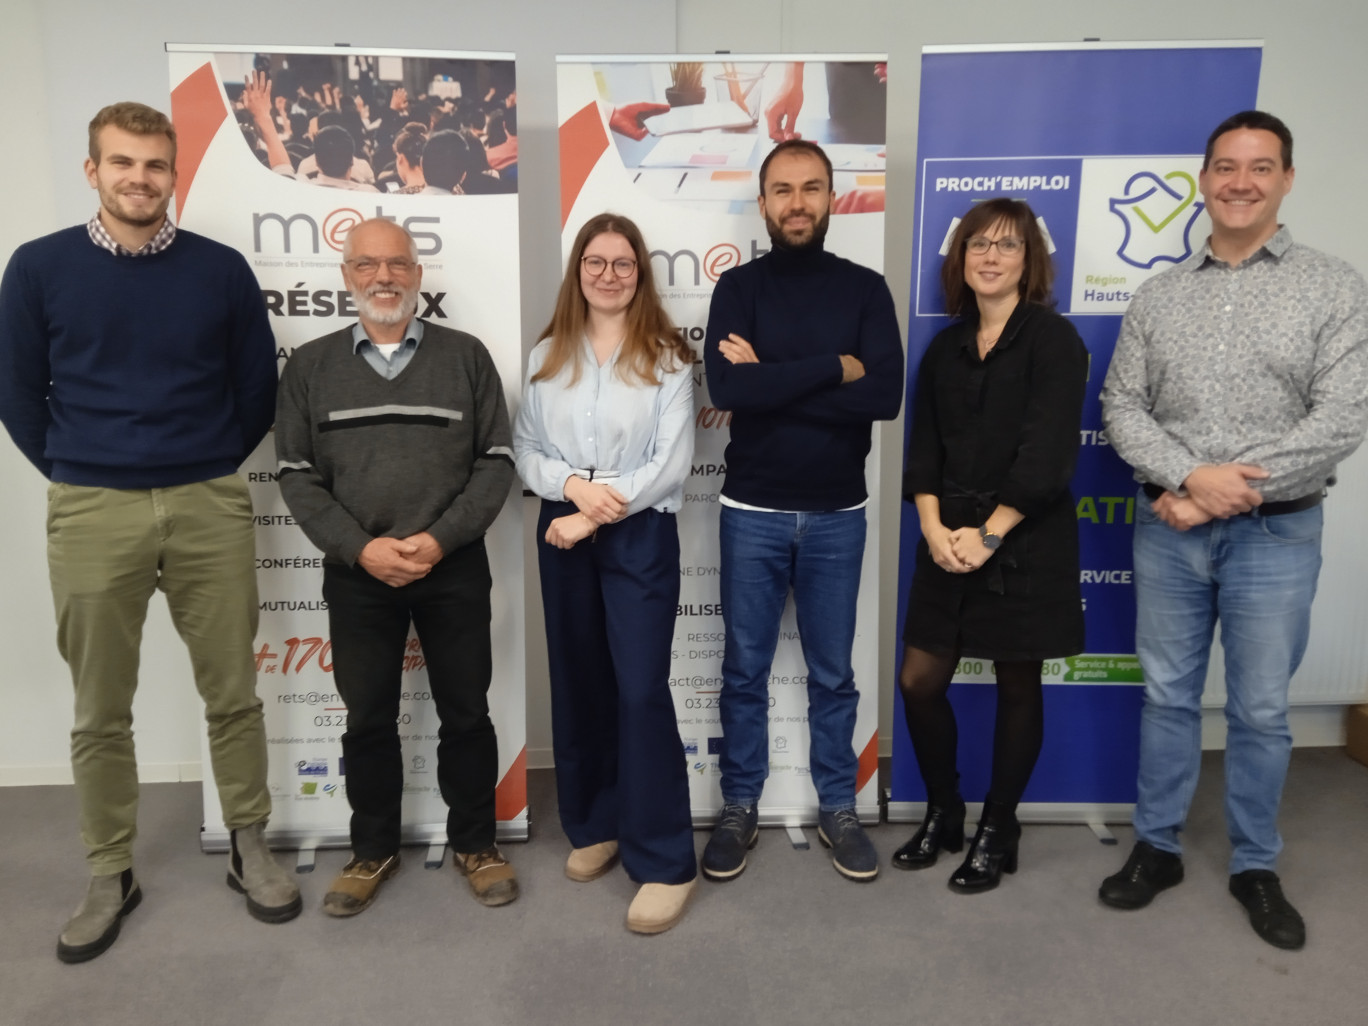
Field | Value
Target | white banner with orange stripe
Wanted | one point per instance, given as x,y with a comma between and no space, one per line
257,173
676,146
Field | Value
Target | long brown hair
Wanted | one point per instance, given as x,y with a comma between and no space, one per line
652,340
1037,272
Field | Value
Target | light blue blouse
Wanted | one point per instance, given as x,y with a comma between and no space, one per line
638,438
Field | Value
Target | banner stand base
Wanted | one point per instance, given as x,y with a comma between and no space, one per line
215,841
436,853
869,812
1100,831
305,862
797,838
1091,814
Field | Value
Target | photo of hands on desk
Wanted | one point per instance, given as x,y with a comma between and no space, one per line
698,131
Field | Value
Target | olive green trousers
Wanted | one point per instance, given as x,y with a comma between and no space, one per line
108,550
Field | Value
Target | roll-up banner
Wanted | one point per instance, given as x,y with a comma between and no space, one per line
676,145
251,176
1105,142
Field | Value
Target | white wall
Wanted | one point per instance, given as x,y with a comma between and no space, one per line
65,58
32,678
1311,77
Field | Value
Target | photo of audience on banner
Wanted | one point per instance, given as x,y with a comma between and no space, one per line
699,130
384,124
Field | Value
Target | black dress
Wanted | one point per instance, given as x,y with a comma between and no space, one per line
1004,429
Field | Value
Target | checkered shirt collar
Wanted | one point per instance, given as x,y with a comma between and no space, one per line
166,234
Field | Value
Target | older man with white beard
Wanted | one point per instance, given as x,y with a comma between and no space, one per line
395,457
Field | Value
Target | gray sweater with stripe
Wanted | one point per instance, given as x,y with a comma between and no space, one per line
361,457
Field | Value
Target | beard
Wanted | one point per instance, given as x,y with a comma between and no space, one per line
799,241
388,316
114,206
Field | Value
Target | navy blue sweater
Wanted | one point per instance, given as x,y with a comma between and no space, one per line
799,437
134,372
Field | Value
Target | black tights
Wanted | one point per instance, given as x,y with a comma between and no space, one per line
1017,732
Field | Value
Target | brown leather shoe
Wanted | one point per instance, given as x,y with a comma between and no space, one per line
658,906
357,885
491,876
585,864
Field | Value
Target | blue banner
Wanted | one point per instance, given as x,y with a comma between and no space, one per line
1105,143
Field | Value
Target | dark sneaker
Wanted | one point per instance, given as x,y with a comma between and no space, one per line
1147,872
852,852
1272,915
737,830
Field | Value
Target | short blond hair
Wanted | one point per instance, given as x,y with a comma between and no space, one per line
138,118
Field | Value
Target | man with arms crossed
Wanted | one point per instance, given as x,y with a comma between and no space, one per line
803,347
137,371
395,456
1238,384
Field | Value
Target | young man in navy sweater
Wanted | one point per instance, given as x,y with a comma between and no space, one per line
137,371
803,347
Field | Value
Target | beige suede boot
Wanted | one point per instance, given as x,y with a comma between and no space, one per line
95,926
590,863
657,906
253,871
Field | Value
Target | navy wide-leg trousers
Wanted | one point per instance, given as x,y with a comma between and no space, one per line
610,607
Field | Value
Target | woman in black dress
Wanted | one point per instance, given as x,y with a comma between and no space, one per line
994,438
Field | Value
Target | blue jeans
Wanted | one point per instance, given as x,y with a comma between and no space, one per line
764,555
1257,576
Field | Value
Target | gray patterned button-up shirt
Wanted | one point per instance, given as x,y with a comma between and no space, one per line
1264,363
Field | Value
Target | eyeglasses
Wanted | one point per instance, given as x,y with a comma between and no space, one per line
623,267
367,266
1007,245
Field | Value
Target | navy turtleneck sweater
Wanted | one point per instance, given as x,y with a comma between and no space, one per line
134,372
799,437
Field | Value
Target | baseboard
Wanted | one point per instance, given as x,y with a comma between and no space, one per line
1313,726
148,773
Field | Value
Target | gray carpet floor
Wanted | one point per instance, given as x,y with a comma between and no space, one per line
787,942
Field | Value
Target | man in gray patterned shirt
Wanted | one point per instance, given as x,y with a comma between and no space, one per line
1239,382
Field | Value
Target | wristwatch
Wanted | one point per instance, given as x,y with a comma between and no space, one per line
991,541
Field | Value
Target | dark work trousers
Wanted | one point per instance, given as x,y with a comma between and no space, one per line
369,623
610,611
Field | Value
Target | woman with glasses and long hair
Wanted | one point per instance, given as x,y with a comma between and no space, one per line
995,434
605,436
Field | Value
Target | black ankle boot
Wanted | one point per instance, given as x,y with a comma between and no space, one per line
942,829
993,852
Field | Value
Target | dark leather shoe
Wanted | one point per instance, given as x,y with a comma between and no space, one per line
737,830
1147,872
1272,915
941,830
993,853
852,852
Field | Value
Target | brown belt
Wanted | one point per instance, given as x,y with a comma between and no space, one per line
1266,509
